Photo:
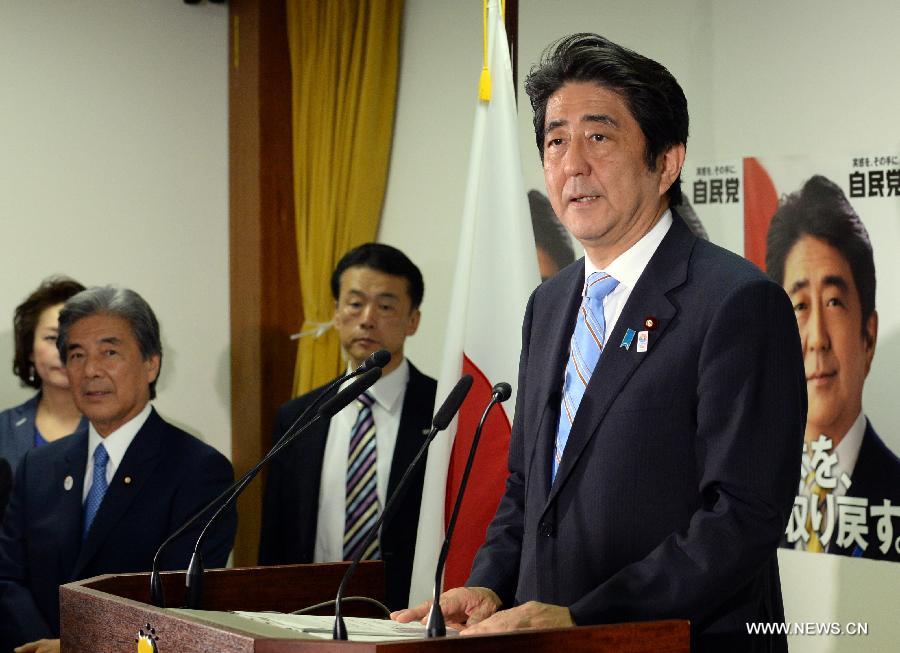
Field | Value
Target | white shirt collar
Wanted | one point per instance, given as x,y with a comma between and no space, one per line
389,388
629,265
846,454
117,442
847,451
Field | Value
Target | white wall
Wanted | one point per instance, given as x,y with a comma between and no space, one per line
440,64
767,78
114,169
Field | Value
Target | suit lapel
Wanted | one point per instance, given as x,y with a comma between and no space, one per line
558,322
136,468
868,478
667,269
70,465
874,478
415,418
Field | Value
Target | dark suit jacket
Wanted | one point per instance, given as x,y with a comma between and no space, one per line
291,503
5,485
680,469
165,476
876,477
17,430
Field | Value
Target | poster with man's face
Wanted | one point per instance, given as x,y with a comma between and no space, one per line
828,232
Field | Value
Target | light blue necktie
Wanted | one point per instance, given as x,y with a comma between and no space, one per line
584,352
98,488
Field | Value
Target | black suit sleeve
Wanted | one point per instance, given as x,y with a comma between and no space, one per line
5,485
496,564
21,620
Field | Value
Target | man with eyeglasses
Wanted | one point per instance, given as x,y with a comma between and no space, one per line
325,493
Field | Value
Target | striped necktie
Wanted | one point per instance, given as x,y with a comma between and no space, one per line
584,352
362,506
98,488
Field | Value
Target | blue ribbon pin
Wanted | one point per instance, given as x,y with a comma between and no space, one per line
626,341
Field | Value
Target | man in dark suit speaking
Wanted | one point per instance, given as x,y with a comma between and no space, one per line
326,491
102,500
661,399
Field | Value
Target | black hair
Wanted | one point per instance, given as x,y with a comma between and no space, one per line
52,291
820,209
649,90
549,234
382,258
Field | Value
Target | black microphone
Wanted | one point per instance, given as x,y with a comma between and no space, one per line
441,420
194,577
435,626
377,359
339,401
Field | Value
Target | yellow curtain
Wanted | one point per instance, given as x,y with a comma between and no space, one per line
344,64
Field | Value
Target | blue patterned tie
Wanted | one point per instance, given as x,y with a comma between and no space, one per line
98,488
584,352
362,506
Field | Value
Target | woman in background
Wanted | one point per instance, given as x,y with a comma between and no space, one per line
51,413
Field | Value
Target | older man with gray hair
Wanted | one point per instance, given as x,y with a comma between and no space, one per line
102,500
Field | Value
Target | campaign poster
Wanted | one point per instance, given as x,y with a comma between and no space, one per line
828,231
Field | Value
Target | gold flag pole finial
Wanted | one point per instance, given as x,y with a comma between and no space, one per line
484,82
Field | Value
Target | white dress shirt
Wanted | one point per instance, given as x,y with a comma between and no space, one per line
116,444
847,453
388,394
627,268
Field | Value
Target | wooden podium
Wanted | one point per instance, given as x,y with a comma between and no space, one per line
105,614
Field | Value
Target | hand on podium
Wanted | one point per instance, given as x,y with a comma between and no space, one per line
475,611
40,646
523,617
463,607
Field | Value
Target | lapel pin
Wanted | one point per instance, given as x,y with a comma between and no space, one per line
643,337
626,341
68,483
650,323
127,480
